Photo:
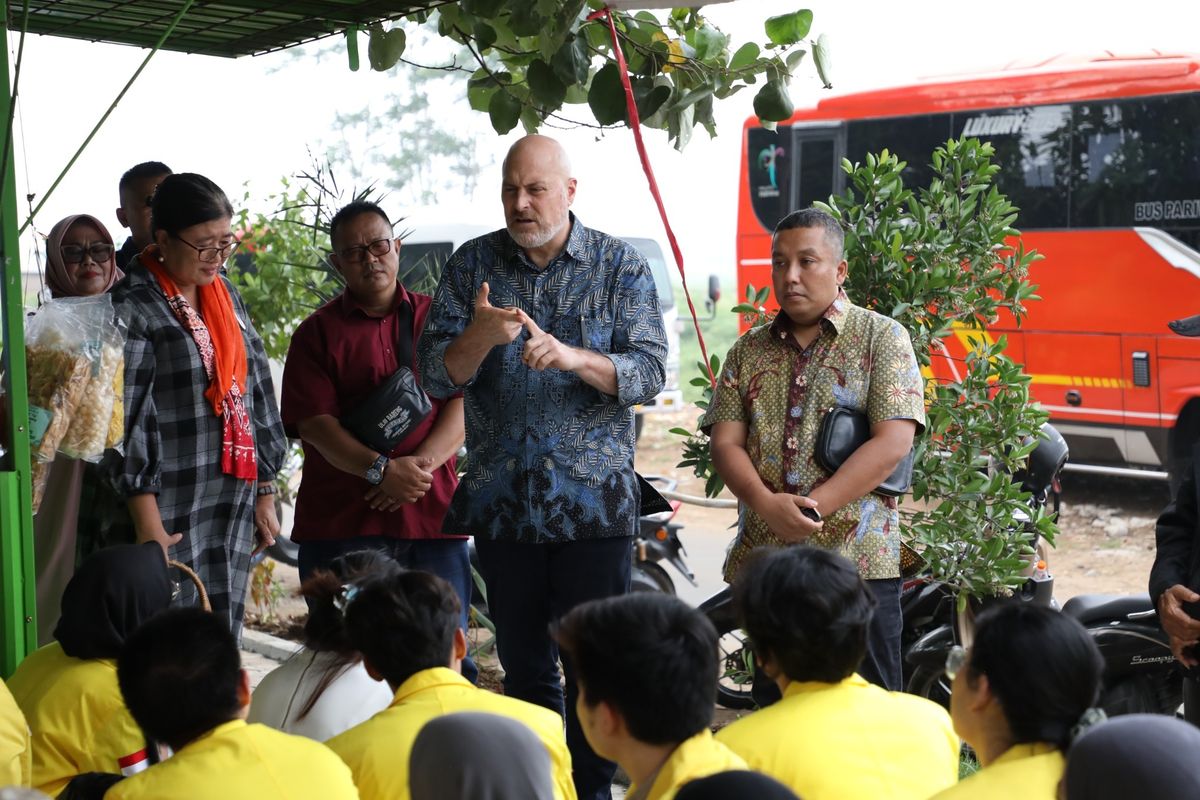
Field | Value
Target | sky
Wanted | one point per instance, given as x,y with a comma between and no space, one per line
251,121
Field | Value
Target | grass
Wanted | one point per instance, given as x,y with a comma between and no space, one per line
719,335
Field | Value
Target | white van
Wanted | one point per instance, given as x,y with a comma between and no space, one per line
428,244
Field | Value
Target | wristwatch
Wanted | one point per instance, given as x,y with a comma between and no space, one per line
374,474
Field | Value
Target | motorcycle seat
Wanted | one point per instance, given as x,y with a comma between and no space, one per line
1089,608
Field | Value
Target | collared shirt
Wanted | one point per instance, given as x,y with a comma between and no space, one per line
337,357
377,751
860,360
1029,771
550,457
849,740
77,717
694,758
15,749
236,760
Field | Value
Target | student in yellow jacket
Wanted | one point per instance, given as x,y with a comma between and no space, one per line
15,751
1020,694
407,628
647,673
833,736
68,689
182,679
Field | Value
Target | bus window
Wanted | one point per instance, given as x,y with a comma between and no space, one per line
816,169
421,264
769,158
912,139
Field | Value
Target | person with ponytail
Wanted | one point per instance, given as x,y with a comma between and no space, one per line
203,438
1023,691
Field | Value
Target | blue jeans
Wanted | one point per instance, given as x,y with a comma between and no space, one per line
529,587
446,558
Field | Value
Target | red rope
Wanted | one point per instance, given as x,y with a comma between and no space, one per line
635,124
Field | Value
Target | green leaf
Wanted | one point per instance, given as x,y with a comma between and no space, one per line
773,103
479,97
746,55
708,41
485,9
485,35
606,97
651,99
823,60
525,18
571,62
793,60
544,85
505,112
384,48
789,28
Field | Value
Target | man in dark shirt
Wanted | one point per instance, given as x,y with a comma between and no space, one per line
352,497
553,332
136,188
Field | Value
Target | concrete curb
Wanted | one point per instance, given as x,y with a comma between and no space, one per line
272,647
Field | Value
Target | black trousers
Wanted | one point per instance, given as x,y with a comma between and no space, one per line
529,587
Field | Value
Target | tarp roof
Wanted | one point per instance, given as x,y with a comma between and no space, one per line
229,28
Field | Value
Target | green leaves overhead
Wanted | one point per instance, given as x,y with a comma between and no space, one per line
539,59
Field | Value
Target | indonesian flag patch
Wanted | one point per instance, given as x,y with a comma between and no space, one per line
134,763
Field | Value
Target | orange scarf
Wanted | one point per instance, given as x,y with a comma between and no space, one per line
216,309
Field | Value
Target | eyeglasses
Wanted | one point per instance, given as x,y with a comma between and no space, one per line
355,255
211,255
956,659
98,251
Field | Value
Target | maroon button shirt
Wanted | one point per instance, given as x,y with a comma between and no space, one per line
337,357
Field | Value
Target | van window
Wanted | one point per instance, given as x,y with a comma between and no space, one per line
658,267
421,264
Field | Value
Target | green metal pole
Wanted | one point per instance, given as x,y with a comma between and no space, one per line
18,629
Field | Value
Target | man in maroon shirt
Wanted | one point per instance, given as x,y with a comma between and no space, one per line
352,497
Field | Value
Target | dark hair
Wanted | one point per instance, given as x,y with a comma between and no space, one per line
184,199
650,656
325,627
90,786
404,623
179,674
146,169
807,609
1041,665
349,212
815,218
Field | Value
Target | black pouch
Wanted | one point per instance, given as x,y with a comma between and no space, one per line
844,430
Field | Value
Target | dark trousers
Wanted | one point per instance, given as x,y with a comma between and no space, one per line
447,558
881,665
529,587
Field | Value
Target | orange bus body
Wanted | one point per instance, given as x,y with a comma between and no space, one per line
1120,258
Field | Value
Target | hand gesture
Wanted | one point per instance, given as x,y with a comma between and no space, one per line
782,515
495,325
1178,624
406,480
543,351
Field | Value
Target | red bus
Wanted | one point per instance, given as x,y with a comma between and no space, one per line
1102,157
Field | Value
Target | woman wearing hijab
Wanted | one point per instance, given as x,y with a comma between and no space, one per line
738,784
203,439
79,263
68,689
472,756
1145,756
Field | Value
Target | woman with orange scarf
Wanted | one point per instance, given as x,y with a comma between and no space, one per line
203,439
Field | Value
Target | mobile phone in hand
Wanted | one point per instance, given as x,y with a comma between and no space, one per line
811,513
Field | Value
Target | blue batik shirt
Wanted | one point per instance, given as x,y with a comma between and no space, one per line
550,458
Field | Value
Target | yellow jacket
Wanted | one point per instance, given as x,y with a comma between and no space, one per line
15,751
77,717
1028,771
697,757
847,740
378,749
236,760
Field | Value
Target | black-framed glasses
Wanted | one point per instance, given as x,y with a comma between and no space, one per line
97,251
211,255
356,255
956,659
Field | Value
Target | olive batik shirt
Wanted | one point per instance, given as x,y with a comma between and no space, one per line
861,360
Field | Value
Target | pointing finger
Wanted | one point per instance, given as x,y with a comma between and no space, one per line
481,299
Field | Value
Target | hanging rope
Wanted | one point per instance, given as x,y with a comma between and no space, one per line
157,45
635,124
12,98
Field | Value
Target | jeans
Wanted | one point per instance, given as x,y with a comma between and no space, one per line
881,665
446,558
529,587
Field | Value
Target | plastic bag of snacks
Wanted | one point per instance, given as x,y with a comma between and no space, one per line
74,353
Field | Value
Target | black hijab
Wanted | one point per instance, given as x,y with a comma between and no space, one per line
735,785
112,593
1146,756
